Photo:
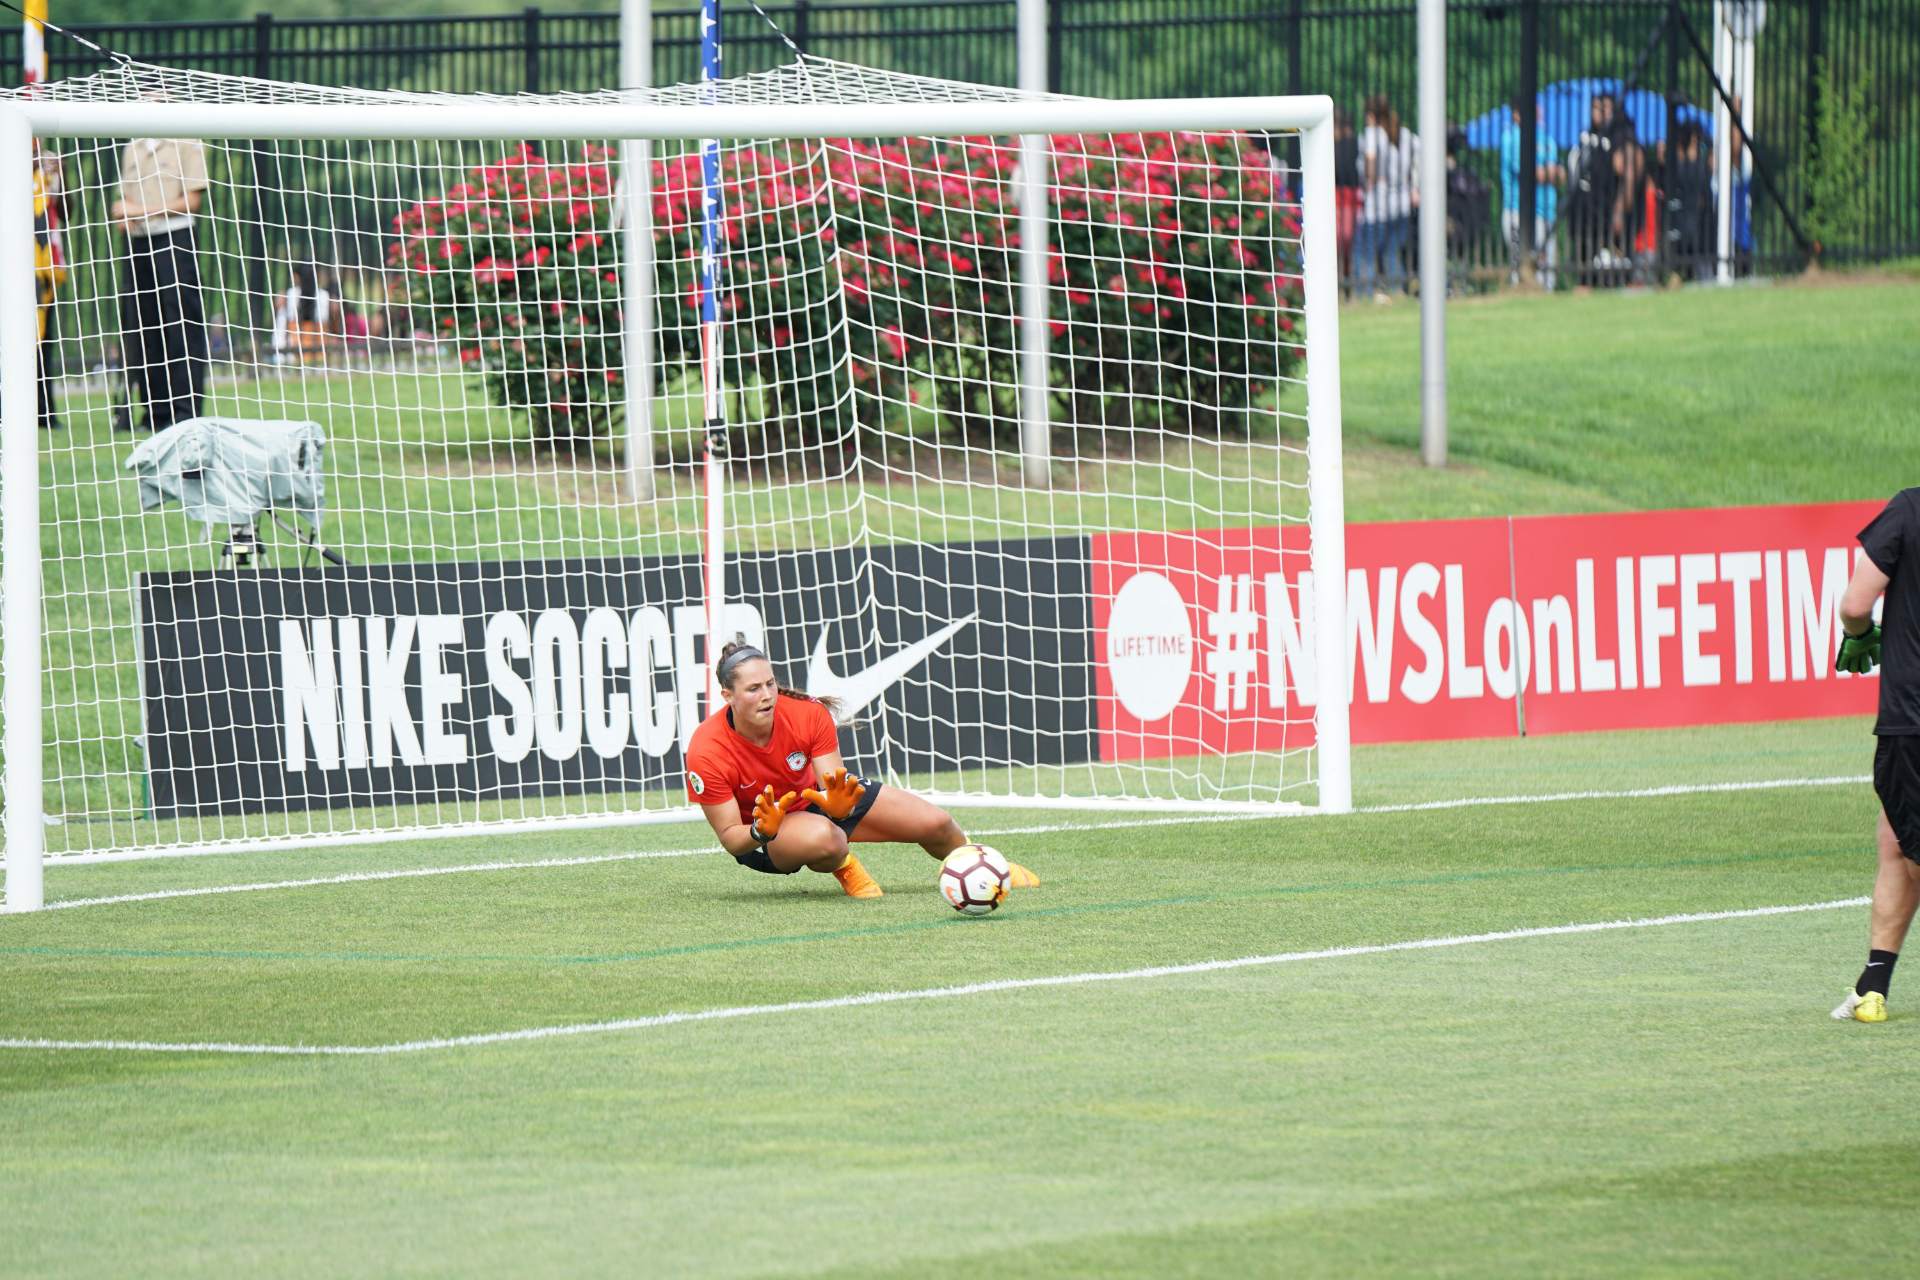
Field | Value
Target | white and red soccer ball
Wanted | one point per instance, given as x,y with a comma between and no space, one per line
974,879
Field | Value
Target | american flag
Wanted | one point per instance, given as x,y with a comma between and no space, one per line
711,212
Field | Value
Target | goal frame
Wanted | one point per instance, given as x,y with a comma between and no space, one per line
439,119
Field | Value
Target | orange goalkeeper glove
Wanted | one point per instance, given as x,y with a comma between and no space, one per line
768,814
839,793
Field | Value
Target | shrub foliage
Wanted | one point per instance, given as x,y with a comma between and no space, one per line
1837,205
877,283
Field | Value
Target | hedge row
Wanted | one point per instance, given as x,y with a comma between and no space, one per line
869,284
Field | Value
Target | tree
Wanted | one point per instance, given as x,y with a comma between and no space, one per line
1837,203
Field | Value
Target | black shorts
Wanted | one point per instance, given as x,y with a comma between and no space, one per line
758,859
852,820
1896,779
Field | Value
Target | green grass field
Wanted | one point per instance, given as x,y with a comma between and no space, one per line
1658,1099
1638,401
1662,1100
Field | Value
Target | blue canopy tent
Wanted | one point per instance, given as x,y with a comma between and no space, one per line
1566,109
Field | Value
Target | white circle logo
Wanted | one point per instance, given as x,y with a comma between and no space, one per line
699,783
1149,646
796,761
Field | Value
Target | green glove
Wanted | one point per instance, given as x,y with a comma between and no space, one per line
1859,654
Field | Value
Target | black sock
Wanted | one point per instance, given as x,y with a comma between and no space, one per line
1877,974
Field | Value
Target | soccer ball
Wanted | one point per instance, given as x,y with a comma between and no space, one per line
974,879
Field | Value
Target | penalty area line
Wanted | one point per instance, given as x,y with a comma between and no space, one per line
925,993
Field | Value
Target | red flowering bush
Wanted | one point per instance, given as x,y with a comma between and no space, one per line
928,263
1177,280
884,277
516,266
782,338
1170,298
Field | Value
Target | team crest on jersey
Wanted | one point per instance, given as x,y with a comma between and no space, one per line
796,761
698,783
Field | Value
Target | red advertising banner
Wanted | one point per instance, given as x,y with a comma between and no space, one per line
1688,617
1475,628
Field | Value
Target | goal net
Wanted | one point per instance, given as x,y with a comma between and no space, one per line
374,498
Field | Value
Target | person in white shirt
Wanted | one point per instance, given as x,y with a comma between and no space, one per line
300,323
1390,171
164,328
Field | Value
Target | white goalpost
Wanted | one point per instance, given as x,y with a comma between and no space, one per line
439,555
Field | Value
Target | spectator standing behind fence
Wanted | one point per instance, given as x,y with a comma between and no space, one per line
1389,162
1742,194
1469,207
1606,172
300,322
164,331
1548,173
1347,192
1686,179
48,271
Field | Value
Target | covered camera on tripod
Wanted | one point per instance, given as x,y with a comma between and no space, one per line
228,473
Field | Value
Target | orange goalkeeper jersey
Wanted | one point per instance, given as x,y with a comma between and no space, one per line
723,765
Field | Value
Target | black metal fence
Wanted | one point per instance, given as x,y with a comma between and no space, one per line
1348,49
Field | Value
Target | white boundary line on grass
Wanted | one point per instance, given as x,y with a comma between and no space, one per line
656,819
360,877
363,877
1636,793
924,993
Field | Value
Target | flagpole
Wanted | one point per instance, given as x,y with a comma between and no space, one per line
716,424
33,74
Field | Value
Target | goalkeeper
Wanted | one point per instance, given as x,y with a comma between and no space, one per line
1891,566
766,771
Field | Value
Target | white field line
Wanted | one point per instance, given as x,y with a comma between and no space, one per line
520,827
359,877
362,877
925,993
1467,802
1636,793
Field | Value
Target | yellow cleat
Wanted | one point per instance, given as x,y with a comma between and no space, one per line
854,879
1872,1008
1018,877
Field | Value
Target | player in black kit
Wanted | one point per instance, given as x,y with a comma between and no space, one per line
1891,566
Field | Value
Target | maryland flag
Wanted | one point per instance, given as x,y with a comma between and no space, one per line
33,43
49,264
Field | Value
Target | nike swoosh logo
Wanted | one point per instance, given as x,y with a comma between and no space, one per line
861,689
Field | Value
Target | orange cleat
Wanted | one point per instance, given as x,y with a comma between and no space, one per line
854,879
1019,877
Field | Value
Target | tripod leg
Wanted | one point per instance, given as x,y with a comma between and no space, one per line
311,538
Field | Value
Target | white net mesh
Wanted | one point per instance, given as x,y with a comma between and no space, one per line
513,635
